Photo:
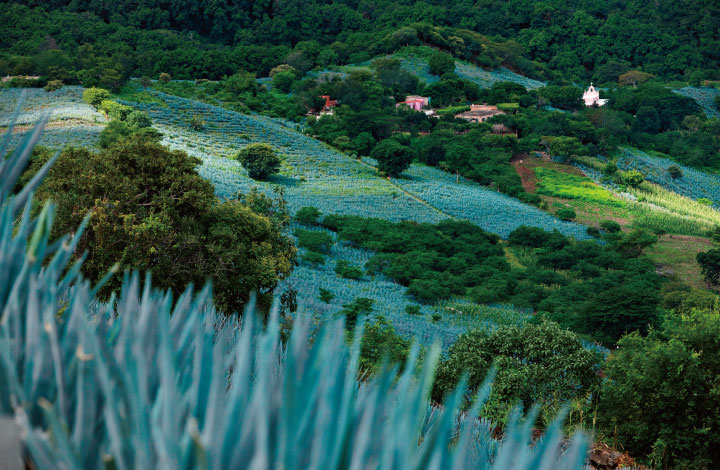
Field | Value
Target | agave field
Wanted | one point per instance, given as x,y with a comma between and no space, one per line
493,211
693,183
456,316
312,174
703,96
72,121
483,78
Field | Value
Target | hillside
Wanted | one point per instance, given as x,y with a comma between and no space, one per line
372,234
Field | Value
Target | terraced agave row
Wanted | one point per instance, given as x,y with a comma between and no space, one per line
390,300
704,96
312,174
491,210
693,183
63,104
75,135
483,78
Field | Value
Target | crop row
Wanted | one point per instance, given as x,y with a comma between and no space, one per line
703,96
490,210
693,183
63,104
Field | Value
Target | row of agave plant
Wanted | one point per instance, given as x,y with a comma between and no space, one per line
147,381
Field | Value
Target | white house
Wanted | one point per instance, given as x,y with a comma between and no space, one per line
591,97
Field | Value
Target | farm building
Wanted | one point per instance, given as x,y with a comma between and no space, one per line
479,113
415,102
591,97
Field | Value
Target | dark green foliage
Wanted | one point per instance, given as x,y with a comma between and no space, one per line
675,172
152,211
308,215
709,262
313,257
393,157
633,178
95,96
564,97
380,345
260,160
53,85
326,295
541,363
114,131
347,270
283,81
358,308
412,309
440,64
566,213
593,232
313,240
660,398
610,226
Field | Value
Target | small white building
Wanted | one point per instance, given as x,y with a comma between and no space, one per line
591,97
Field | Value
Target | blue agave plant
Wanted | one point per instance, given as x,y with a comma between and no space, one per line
144,382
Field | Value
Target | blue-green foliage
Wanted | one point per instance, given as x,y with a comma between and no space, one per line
75,122
143,382
483,78
693,183
704,96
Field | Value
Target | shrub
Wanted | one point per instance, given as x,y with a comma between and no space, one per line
412,309
633,178
138,120
593,232
308,215
165,77
541,363
145,81
709,262
53,85
347,270
115,110
674,171
95,96
196,123
359,307
313,257
260,160
566,213
326,295
441,64
393,157
610,226
320,242
658,397
381,344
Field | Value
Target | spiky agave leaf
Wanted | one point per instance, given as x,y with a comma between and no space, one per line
127,384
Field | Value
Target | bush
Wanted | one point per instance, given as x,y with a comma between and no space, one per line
566,213
138,120
593,232
675,172
313,257
259,160
165,77
347,270
95,96
115,110
441,64
610,226
308,215
381,344
53,85
633,178
412,309
393,157
359,307
326,295
709,262
658,398
540,363
320,242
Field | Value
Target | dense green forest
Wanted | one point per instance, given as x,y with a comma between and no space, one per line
575,40
271,151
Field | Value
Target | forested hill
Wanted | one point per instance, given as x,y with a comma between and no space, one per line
569,39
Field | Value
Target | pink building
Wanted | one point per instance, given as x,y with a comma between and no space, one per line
591,97
414,102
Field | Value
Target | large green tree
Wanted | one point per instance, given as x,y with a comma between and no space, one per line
393,157
150,210
537,363
661,398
